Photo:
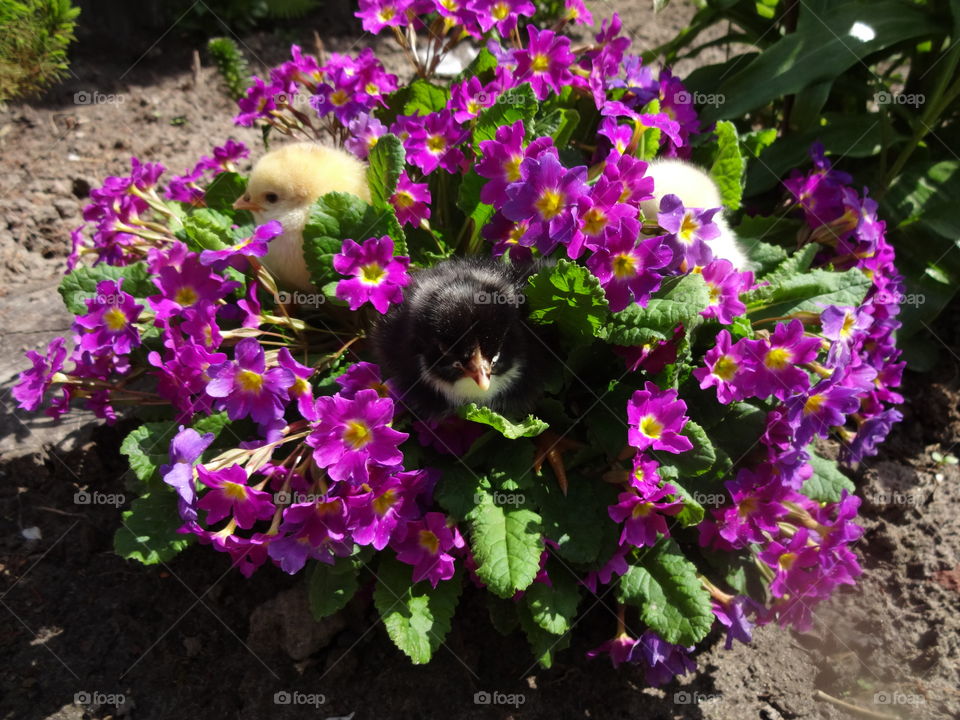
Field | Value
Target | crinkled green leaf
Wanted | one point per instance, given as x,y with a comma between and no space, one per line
330,587
545,645
728,165
385,167
506,544
681,305
810,292
827,482
528,427
569,296
692,512
553,607
223,192
518,103
483,63
81,284
417,617
147,448
663,584
206,229
425,98
149,532
701,458
578,521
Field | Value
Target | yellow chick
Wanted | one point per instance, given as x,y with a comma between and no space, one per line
284,185
696,189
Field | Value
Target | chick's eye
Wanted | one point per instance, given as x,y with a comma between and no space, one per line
271,197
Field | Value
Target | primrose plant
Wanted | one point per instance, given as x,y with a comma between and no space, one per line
677,462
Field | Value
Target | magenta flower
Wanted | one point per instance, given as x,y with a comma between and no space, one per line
620,649
602,218
300,390
433,143
411,201
353,432
845,326
378,14
254,246
643,516
378,276
33,383
185,450
792,563
726,369
546,195
656,418
502,13
186,286
725,285
230,494
688,230
545,63
627,269
777,361
365,131
362,376
110,322
376,515
470,98
426,545
664,660
246,387
733,615
826,405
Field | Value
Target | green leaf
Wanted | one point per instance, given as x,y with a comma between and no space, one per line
664,586
819,51
339,216
569,296
827,481
554,607
692,512
518,103
149,532
728,165
483,63
425,98
81,284
417,617
468,200
503,614
457,489
810,292
740,429
206,229
698,460
506,544
330,587
147,448
545,645
385,167
528,427
223,192
681,305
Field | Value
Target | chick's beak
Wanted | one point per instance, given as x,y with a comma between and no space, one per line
479,370
245,203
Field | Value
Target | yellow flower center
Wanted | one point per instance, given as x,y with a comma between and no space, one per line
813,404
115,319
517,232
357,434
473,107
687,228
234,491
328,508
404,199
550,204
715,293
385,502
249,381
725,368
594,221
429,542
500,11
848,322
339,98
748,506
186,296
778,358
299,387
511,168
624,266
436,144
372,274
642,510
540,63
387,13
787,560
651,427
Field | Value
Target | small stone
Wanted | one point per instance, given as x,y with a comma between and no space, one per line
286,624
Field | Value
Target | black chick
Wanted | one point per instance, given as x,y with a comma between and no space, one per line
461,336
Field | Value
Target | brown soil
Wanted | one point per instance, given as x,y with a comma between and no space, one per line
188,638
